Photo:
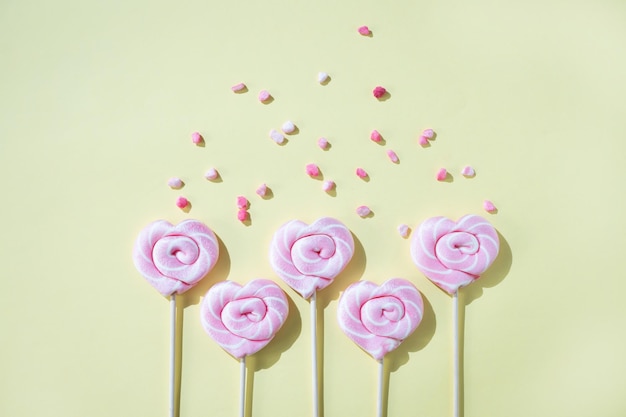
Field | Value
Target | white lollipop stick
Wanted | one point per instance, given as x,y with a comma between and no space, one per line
172,352
314,352
242,394
455,359
380,387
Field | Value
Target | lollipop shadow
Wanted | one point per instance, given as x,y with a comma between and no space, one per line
219,273
493,276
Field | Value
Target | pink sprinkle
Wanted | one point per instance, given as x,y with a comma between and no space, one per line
489,206
196,138
468,171
242,202
277,136
404,230
264,95
428,133
211,174
423,141
175,182
312,170
363,211
376,136
392,156
288,127
360,172
181,202
379,92
442,174
238,87
322,143
328,185
242,215
364,30
262,190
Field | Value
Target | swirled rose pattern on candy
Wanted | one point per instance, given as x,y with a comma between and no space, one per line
379,318
454,254
174,258
309,257
244,319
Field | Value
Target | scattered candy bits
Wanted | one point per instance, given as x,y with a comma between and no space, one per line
322,143
238,87
288,127
242,202
426,135
262,190
211,174
360,172
276,136
175,182
364,30
489,206
392,156
322,77
242,215
328,185
404,230
363,211
468,171
379,92
264,96
182,202
375,136
196,138
312,170
442,174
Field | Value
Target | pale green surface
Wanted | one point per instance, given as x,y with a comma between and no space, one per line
98,101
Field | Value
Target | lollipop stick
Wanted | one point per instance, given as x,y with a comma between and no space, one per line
314,352
455,360
172,351
242,392
380,387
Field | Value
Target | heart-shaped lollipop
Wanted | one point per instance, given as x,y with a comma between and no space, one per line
309,257
174,258
379,318
244,319
454,254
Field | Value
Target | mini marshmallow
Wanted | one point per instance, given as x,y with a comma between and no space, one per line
262,190
364,30
277,136
242,202
211,174
379,91
360,172
375,136
264,95
312,170
196,138
322,143
363,211
404,230
182,202
288,127
428,133
468,171
392,156
442,174
242,215
322,77
238,87
489,206
328,185
175,182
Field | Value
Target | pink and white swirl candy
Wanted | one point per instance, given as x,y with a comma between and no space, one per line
379,318
243,319
309,257
454,254
174,258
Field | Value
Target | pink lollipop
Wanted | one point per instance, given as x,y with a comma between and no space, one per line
379,318
244,319
309,257
174,258
454,254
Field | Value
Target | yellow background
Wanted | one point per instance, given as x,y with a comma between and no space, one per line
98,101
